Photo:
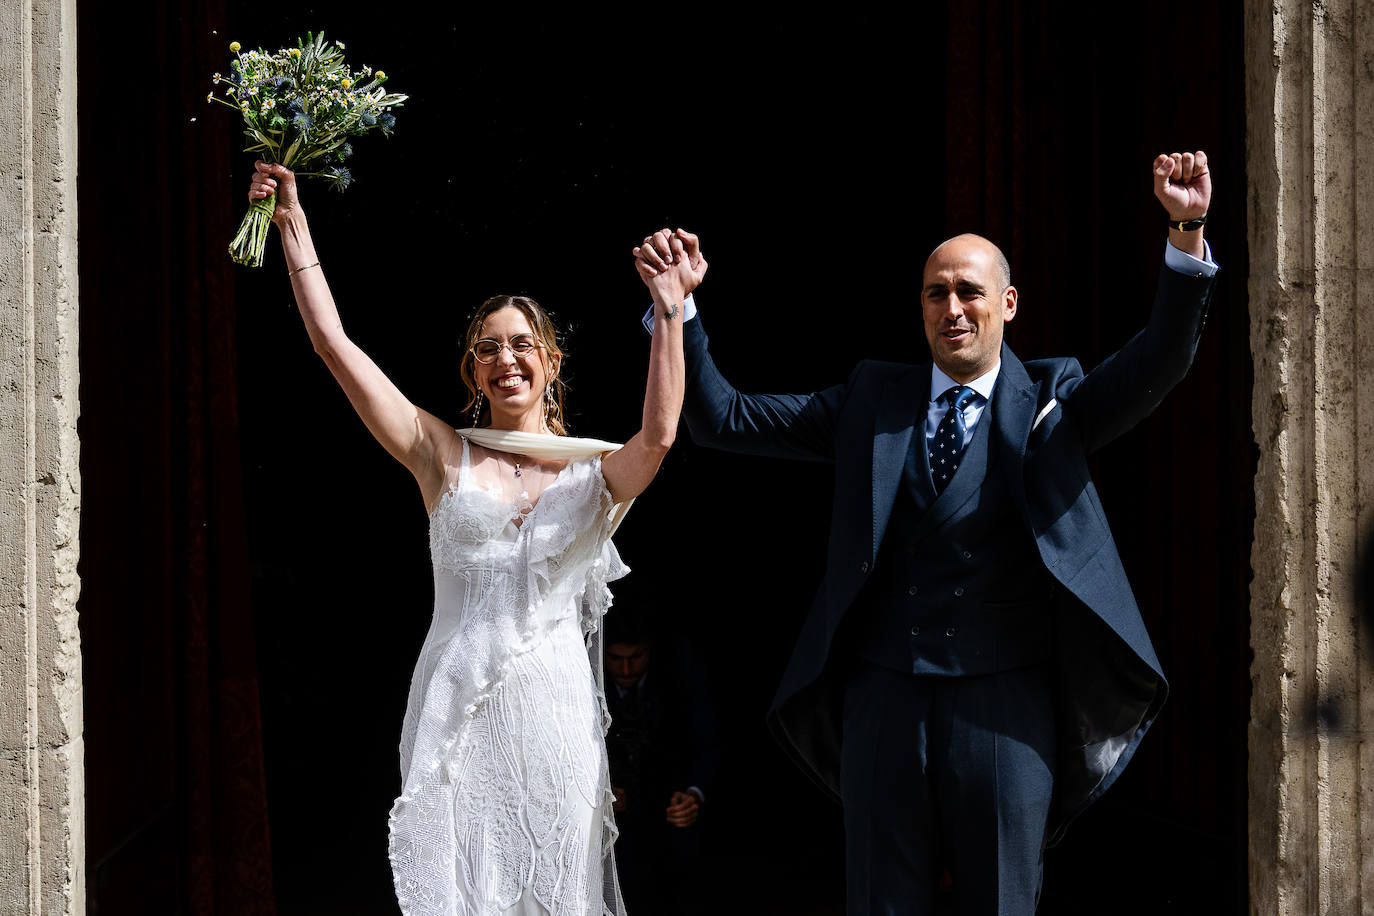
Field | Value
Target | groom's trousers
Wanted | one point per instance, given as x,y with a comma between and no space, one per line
946,773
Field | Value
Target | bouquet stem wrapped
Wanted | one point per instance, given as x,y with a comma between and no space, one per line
248,243
300,108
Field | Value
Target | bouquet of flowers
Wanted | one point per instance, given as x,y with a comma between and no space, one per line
300,108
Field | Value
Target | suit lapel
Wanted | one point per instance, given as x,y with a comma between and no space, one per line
1013,413
900,410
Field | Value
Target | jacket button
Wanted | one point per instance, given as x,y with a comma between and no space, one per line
968,555
915,631
950,631
863,567
959,592
912,590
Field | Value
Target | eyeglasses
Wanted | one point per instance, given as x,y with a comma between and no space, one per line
486,351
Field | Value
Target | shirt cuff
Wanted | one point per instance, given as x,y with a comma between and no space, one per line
689,311
1185,263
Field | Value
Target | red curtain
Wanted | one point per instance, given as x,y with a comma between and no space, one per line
176,802
1050,124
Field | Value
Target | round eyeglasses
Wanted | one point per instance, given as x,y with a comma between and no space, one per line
486,351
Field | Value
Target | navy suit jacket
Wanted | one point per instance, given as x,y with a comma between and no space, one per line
1047,417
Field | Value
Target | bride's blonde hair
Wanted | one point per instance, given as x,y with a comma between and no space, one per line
551,355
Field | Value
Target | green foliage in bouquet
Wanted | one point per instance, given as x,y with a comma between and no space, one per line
300,108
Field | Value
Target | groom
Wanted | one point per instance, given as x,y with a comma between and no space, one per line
974,670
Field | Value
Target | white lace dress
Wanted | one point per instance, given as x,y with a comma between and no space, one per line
506,802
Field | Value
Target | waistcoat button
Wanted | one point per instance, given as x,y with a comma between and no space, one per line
915,631
959,592
950,631
911,591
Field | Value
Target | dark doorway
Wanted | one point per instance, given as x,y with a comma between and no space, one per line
819,160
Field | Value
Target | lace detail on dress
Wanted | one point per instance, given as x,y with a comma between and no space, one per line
506,794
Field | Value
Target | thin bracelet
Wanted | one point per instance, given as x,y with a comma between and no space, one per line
299,269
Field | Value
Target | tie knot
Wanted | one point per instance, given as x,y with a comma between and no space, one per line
959,396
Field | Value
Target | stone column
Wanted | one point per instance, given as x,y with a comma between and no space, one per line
1310,116
42,850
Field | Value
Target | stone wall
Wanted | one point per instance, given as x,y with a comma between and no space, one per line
41,820
1310,116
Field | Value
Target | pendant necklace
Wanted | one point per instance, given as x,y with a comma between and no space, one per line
519,476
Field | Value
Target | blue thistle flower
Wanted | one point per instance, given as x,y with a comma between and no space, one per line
340,178
367,119
301,120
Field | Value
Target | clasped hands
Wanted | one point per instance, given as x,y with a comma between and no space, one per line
682,811
670,264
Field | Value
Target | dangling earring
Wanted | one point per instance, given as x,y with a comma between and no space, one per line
477,409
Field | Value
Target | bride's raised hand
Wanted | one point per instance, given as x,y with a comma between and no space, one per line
661,262
669,251
270,177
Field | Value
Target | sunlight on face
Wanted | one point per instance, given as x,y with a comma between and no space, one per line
964,305
513,385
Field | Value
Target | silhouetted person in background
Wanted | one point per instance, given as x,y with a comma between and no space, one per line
663,754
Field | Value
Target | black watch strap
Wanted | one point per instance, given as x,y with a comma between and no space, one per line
1188,225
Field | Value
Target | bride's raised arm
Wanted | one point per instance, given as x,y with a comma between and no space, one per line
412,436
629,470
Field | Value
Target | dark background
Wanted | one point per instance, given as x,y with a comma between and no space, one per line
255,573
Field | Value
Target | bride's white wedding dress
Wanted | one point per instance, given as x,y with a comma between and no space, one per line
506,802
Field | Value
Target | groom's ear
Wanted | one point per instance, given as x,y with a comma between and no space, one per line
1009,303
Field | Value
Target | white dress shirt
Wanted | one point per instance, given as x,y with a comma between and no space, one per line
940,383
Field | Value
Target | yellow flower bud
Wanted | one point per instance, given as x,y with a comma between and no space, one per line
346,82
234,47
381,75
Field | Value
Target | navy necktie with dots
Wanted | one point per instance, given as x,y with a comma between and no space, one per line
948,445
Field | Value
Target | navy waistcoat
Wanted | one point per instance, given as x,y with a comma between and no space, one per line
968,597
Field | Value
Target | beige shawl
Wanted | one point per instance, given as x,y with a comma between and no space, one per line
545,445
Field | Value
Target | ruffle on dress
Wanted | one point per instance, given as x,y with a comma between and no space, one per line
500,591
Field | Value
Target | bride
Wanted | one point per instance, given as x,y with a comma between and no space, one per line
505,807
